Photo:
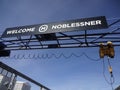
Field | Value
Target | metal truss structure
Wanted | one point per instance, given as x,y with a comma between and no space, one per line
12,73
76,39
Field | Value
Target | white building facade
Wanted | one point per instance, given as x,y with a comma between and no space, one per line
22,86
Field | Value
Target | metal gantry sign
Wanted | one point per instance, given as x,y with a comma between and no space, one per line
65,26
85,32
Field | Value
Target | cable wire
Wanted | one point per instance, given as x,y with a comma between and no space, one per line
112,80
51,55
113,18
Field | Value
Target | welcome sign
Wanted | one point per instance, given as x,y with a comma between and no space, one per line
64,26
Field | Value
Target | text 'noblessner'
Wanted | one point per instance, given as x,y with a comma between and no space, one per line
77,24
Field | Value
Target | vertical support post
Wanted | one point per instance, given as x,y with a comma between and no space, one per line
40,88
86,38
1,71
11,83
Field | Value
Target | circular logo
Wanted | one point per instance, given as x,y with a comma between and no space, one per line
43,28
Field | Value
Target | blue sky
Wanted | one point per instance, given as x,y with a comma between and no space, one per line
74,73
